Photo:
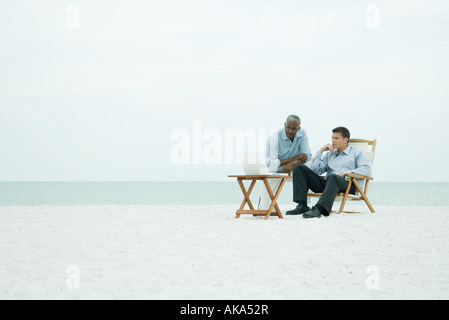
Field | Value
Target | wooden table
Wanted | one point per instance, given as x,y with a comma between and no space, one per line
264,177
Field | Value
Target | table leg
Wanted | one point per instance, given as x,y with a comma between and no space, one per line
274,199
246,195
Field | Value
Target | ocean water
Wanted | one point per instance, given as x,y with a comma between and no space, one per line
195,193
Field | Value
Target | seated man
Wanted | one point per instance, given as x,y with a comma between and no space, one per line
340,159
285,148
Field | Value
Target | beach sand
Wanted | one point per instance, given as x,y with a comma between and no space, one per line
202,252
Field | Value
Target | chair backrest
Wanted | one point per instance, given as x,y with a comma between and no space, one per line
367,146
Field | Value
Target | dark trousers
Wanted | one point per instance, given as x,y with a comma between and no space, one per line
304,179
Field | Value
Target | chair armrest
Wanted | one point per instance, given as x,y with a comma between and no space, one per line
358,176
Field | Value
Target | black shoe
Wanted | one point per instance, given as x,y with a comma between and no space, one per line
300,209
314,213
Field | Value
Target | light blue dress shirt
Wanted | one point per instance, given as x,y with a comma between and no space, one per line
279,147
351,160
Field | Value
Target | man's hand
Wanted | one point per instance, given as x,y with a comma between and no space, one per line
289,167
299,158
327,147
302,158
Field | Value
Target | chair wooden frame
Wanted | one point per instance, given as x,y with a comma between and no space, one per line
352,178
246,193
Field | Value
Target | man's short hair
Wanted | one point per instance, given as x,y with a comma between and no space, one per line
293,118
343,131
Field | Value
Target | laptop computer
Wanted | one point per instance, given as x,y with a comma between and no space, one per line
253,163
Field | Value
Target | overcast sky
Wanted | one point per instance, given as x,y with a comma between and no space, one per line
102,90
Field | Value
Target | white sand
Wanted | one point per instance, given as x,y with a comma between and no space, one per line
202,252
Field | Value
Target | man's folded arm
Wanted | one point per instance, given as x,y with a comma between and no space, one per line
273,164
319,163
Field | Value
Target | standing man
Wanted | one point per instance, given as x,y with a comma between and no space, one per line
338,161
285,148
